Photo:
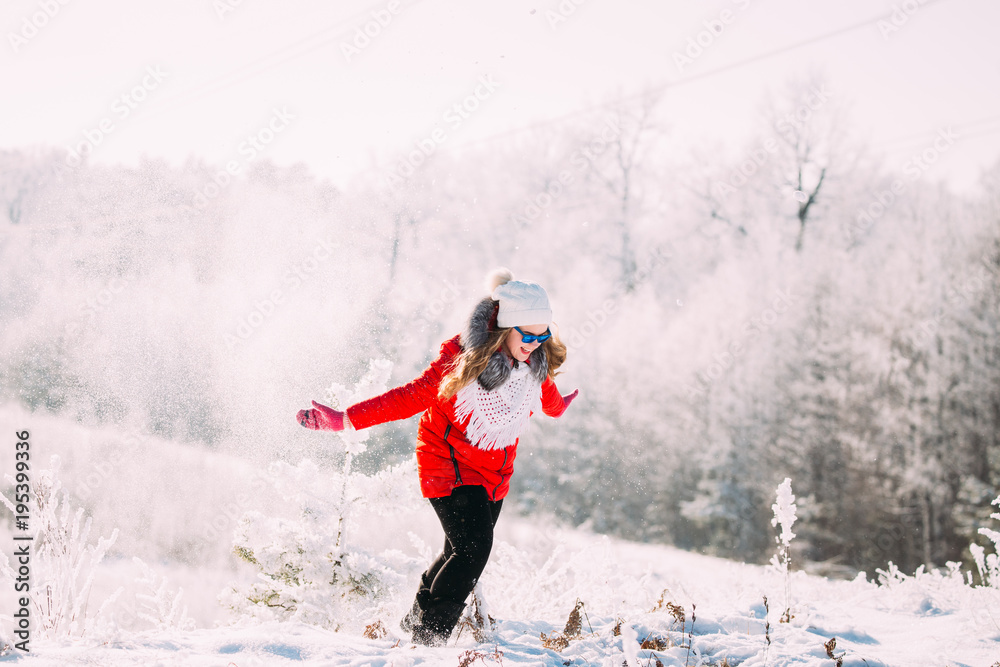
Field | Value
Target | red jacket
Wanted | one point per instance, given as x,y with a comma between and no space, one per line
445,457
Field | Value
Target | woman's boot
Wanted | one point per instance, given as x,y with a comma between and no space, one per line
412,618
437,620
422,599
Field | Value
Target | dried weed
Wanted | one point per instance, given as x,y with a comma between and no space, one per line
376,631
470,656
655,643
830,646
557,641
482,626
671,608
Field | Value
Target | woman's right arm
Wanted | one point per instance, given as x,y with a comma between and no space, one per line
409,399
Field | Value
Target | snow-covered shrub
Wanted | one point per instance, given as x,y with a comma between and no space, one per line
311,566
523,587
148,604
156,604
784,515
989,565
306,568
951,578
64,562
476,619
339,397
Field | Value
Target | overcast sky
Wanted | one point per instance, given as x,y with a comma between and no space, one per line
200,76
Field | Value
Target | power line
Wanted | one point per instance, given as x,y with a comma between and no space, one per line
922,135
984,132
697,77
981,133
261,64
297,50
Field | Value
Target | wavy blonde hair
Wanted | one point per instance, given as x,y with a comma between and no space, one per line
468,365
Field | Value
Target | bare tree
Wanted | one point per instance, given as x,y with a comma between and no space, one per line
630,147
806,124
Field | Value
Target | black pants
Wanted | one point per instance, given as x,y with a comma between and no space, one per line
468,518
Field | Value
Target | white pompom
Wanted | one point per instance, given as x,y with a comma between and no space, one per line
500,276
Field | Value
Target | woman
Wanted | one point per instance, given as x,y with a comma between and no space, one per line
476,398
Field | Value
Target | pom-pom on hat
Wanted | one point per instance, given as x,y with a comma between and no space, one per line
522,303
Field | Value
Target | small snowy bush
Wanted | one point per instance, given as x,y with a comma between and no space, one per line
306,570
310,567
64,562
989,565
156,604
339,397
784,515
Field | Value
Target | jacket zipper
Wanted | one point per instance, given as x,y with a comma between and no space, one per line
454,461
495,488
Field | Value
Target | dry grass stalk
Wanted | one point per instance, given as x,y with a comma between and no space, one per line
767,625
694,608
673,609
375,631
574,624
830,646
677,612
482,626
470,656
557,641
655,643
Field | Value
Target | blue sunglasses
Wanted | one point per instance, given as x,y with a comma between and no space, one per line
531,338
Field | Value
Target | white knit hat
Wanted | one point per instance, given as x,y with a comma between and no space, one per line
522,303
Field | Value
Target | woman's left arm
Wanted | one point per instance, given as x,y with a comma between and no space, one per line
410,399
553,403
399,403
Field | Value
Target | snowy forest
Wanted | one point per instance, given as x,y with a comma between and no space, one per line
799,308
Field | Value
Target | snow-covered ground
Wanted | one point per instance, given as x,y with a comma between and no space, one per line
931,621
531,585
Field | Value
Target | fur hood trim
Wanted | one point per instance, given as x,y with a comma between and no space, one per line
483,320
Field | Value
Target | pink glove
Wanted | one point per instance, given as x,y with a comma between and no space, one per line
568,398
321,418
